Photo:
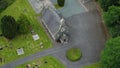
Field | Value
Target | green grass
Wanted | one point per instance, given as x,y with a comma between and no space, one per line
74,54
57,6
26,41
95,65
51,63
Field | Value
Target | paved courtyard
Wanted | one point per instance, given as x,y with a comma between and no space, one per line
87,34
72,7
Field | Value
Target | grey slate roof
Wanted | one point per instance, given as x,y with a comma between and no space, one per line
51,19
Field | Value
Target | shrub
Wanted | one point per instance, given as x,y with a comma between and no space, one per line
110,57
23,24
73,54
4,4
61,2
105,4
112,20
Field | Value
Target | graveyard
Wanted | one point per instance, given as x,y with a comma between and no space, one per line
45,62
24,44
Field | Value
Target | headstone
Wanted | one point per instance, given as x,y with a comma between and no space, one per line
45,62
35,37
33,63
41,46
28,66
6,46
36,65
1,48
20,51
1,35
1,60
25,10
11,45
41,43
32,31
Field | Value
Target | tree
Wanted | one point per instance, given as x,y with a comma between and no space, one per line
8,27
110,57
61,2
112,20
105,4
23,24
4,4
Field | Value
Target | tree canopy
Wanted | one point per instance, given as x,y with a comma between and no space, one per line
4,4
23,24
61,2
8,27
110,57
105,4
112,20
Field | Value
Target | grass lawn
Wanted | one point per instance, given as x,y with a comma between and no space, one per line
95,65
25,41
45,62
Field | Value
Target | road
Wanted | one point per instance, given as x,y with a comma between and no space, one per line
85,32
36,55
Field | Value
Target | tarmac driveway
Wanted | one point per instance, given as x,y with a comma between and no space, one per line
87,34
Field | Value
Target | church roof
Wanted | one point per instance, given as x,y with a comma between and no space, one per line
52,19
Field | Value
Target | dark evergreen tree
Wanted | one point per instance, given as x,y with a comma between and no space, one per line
8,27
61,2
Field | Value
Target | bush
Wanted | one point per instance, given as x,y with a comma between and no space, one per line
61,2
105,4
8,27
4,4
110,57
112,20
73,54
23,24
